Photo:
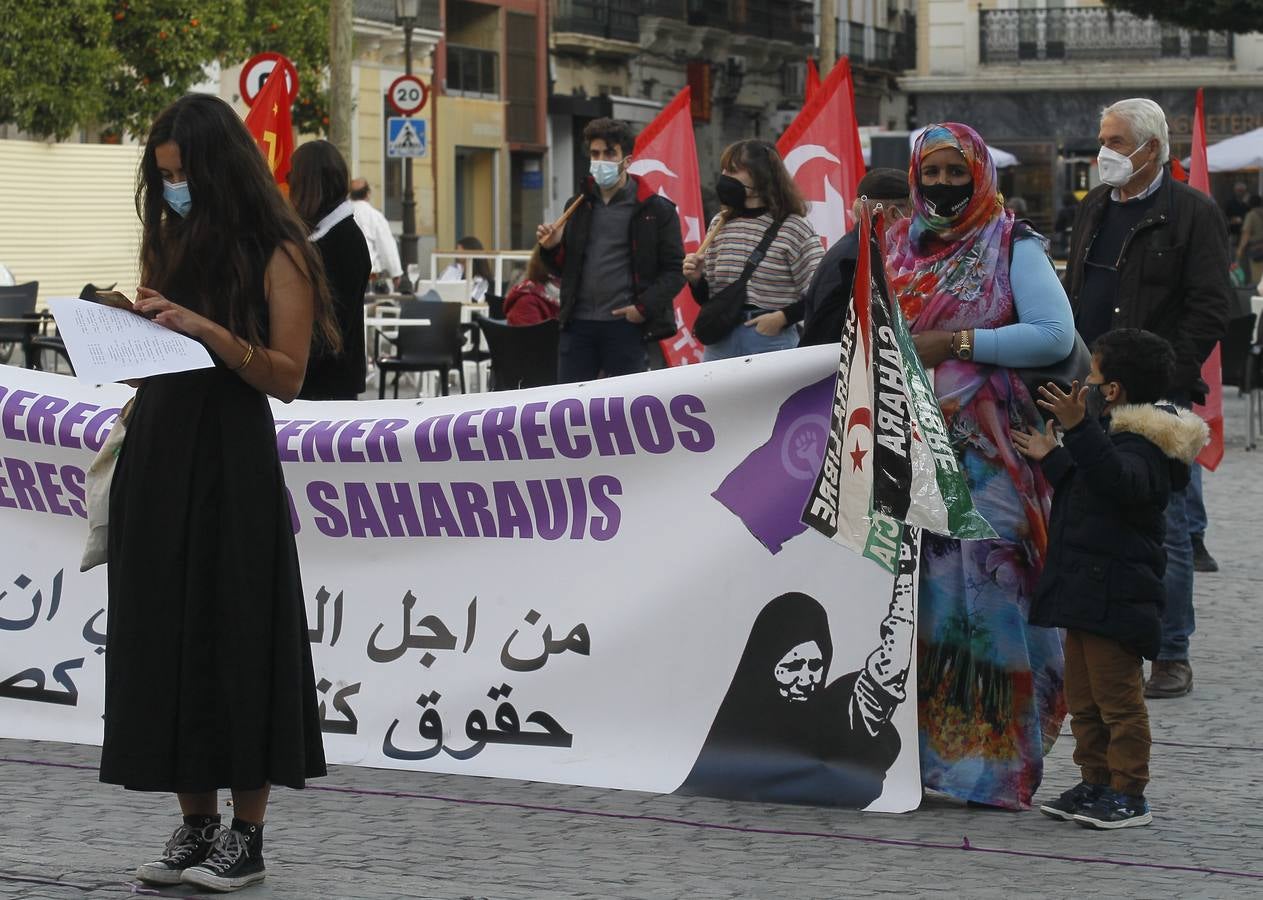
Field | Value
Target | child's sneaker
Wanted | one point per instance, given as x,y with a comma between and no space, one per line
235,861
1072,801
1115,810
188,846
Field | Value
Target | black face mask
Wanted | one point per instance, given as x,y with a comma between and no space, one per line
948,200
732,193
1095,400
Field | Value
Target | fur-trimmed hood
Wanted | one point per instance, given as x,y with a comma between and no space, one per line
1179,433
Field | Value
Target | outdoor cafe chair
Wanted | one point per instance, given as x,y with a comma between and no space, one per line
522,356
425,348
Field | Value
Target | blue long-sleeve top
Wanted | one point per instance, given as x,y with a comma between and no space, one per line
1044,331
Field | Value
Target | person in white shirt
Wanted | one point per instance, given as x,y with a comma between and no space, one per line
382,248
481,280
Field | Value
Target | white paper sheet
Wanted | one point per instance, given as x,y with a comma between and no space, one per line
107,344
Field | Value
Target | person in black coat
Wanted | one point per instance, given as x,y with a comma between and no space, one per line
318,186
829,296
1103,578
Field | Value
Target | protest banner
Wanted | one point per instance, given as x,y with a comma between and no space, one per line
560,584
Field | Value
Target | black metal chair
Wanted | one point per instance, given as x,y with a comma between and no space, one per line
522,356
18,302
1239,364
426,348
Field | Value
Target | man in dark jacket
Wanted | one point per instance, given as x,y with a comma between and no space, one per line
1148,252
619,257
828,297
1102,580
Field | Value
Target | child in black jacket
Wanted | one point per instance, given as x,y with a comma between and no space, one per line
1121,454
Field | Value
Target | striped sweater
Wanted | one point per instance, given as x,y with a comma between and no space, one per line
785,272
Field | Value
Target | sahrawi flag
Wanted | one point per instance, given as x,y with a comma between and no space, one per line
270,122
1212,370
665,158
822,152
888,461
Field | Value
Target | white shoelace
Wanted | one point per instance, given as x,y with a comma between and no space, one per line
187,838
230,847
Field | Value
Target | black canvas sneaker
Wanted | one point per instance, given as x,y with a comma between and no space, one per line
235,861
1072,801
188,846
1115,810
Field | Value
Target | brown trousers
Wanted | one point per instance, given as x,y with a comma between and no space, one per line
1105,693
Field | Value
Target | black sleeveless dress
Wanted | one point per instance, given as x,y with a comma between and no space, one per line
208,673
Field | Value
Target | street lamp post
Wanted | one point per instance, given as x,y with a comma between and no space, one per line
406,16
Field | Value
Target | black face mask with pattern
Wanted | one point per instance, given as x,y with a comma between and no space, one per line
948,200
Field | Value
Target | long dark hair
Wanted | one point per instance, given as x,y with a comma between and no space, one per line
318,181
481,266
213,261
771,179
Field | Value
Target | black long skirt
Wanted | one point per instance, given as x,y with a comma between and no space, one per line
208,674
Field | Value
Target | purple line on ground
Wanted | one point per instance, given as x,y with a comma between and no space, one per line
743,829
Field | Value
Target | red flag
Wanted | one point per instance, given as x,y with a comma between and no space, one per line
665,159
1177,170
813,79
270,123
1212,369
821,149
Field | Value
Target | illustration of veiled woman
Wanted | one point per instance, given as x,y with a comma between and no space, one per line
784,733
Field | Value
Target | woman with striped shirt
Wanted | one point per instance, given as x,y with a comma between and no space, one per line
756,191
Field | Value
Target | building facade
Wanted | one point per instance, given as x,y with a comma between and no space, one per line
1033,75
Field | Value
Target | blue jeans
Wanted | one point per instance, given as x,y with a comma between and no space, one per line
589,349
745,341
1196,503
1177,618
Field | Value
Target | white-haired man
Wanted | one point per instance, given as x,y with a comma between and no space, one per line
1148,252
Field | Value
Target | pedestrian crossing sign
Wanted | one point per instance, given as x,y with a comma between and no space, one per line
405,137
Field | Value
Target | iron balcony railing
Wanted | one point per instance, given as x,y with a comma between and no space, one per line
618,20
1092,34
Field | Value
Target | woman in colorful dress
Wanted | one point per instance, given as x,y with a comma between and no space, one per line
982,299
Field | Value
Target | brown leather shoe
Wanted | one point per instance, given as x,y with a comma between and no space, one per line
1169,678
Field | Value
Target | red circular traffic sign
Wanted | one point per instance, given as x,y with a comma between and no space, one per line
256,70
408,94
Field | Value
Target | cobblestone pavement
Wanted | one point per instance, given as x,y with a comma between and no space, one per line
365,833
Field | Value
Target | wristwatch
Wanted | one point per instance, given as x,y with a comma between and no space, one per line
964,345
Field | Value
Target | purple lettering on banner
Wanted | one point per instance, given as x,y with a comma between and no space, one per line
317,442
98,428
350,432
73,478
398,509
382,443
604,488
578,508
41,420
497,433
329,519
22,477
294,521
51,488
653,427
360,511
515,519
700,437
463,434
76,415
571,447
533,431
609,426
286,431
552,518
12,409
5,500
431,440
471,502
435,511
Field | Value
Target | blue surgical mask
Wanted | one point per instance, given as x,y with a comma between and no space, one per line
605,174
177,197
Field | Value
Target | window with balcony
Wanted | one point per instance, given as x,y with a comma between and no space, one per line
618,20
1056,34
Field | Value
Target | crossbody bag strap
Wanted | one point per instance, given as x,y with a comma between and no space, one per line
760,251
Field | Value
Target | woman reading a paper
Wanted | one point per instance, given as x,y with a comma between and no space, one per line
209,678
981,298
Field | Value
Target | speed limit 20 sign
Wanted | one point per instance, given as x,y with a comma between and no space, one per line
408,94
